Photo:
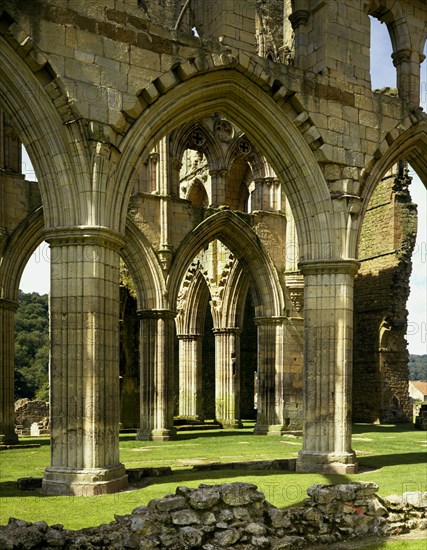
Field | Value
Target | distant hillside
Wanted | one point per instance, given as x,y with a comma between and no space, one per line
418,367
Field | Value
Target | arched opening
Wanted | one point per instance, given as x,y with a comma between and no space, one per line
238,182
215,319
129,380
383,72
238,98
25,265
381,293
208,367
194,175
417,310
248,361
223,224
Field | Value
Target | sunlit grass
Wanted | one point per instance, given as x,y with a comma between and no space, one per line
400,545
392,456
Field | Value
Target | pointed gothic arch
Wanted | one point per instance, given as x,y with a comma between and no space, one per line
244,244
21,244
409,145
253,108
28,88
191,314
144,268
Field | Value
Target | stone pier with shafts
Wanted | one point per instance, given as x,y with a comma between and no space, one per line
233,156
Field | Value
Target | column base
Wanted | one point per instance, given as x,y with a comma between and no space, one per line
270,429
230,424
85,481
326,463
156,435
9,439
189,419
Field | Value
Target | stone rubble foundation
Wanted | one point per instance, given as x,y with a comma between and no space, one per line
237,516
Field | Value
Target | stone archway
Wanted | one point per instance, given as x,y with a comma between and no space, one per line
74,182
174,99
256,112
22,243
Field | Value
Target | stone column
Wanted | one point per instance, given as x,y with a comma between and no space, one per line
7,367
299,19
156,375
227,377
190,377
163,188
258,195
407,63
84,377
328,338
218,187
270,411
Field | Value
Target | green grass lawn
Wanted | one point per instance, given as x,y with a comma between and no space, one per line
401,545
394,457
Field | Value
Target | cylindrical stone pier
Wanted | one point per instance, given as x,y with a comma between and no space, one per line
190,377
227,377
156,375
84,378
328,327
7,367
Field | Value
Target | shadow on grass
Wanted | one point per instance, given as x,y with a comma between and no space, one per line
9,489
383,428
187,435
31,440
379,461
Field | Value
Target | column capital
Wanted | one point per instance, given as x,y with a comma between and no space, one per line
10,305
189,337
84,235
221,172
299,17
156,314
401,56
265,321
316,267
226,330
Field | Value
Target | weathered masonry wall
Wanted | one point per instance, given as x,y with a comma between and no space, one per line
380,367
275,101
236,515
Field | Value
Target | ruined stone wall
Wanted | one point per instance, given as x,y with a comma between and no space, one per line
236,515
380,365
28,412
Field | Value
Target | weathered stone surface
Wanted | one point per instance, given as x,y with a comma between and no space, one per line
190,537
236,494
227,537
28,412
185,517
168,504
244,527
109,99
204,498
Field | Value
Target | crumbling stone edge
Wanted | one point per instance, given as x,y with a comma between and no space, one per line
237,516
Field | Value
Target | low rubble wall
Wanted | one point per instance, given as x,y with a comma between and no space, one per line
237,516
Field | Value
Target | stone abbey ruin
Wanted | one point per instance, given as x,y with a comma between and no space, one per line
226,203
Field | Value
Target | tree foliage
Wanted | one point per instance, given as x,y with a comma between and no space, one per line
418,367
32,346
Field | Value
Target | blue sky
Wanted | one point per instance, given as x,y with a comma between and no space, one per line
36,277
